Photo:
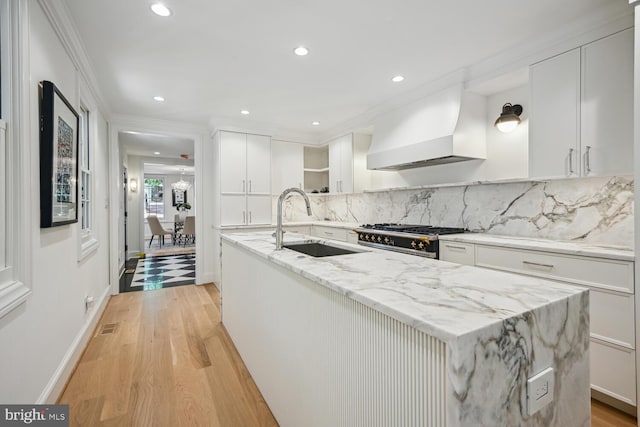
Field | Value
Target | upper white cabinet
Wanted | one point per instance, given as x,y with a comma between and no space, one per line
233,167
606,128
258,164
287,163
341,165
581,110
245,179
347,164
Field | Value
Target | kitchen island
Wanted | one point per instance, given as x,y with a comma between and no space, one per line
378,338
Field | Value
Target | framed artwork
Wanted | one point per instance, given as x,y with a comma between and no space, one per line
59,124
178,197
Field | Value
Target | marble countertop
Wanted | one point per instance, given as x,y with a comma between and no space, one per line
571,248
336,224
442,299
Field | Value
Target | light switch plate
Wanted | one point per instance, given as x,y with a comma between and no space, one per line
540,390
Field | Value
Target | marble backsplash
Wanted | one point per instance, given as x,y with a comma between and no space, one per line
595,210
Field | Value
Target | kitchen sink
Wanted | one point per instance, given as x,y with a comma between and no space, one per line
318,249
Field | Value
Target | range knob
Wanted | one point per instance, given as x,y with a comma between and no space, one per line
421,245
386,240
366,237
379,239
413,244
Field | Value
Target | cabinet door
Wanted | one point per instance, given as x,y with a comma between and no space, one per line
233,209
335,166
233,162
346,164
258,164
259,210
554,119
287,160
607,105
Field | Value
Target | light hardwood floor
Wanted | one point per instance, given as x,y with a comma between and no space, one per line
171,363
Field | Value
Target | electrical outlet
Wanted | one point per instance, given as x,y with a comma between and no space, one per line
540,390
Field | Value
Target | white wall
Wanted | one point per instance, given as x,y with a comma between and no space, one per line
40,336
507,153
135,207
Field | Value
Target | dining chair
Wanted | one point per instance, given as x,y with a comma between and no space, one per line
157,229
189,230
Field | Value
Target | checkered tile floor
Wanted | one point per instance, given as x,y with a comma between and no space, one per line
165,271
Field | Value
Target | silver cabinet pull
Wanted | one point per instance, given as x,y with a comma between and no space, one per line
249,191
328,233
462,248
571,150
250,221
243,186
587,158
244,217
537,264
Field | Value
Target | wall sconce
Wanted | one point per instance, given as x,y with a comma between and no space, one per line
509,118
133,185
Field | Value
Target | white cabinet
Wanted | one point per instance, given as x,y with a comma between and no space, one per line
245,179
347,164
460,253
233,167
554,118
607,105
581,110
341,165
258,164
287,163
334,233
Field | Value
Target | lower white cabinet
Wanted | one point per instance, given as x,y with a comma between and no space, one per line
611,303
334,233
460,253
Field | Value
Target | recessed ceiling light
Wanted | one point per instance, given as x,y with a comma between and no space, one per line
160,9
301,51
315,123
397,79
157,153
159,98
245,112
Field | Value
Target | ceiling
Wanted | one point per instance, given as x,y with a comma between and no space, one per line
213,58
146,145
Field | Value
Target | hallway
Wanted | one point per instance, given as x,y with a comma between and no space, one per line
168,362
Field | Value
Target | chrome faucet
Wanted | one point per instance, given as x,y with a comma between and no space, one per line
279,232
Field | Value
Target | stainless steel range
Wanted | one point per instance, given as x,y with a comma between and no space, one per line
419,240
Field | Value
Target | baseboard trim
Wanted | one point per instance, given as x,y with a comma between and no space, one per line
58,381
612,401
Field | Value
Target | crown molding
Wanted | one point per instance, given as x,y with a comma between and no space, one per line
57,12
151,125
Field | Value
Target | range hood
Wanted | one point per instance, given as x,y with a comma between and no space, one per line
447,127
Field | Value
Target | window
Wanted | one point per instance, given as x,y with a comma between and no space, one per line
85,170
154,197
88,240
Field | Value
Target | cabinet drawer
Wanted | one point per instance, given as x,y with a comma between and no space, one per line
460,253
330,233
613,372
302,229
612,317
617,275
352,237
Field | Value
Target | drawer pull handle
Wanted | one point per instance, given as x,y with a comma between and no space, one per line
537,264
328,233
462,248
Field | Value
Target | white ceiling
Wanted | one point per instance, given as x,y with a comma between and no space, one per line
146,145
211,59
